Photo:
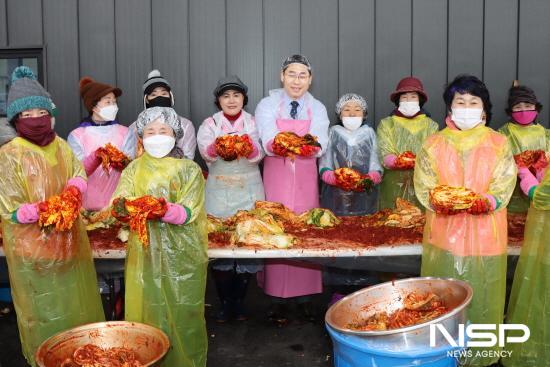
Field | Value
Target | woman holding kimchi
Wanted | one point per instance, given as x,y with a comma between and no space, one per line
167,259
50,263
464,177
527,138
400,136
98,139
294,133
530,297
229,143
352,146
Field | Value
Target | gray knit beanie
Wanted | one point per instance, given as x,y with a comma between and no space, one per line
26,93
155,79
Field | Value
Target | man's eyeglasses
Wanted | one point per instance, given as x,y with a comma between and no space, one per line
301,77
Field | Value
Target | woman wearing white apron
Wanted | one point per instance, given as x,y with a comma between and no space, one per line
293,183
231,186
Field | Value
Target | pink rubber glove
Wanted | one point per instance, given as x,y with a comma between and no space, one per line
27,213
254,153
524,172
269,146
492,202
389,160
79,183
329,177
376,177
528,180
211,150
90,163
176,214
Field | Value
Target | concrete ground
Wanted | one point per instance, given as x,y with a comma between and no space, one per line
256,342
259,342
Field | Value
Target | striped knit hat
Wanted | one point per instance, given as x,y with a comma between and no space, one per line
155,79
26,93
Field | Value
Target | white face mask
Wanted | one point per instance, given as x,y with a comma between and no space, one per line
352,123
466,118
159,146
108,113
409,108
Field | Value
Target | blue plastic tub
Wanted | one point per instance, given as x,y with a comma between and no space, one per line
354,351
5,295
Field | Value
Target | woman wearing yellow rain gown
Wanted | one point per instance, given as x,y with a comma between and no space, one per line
52,275
524,133
530,298
469,246
166,280
404,130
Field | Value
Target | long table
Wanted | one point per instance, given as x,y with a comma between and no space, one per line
251,253
404,258
397,258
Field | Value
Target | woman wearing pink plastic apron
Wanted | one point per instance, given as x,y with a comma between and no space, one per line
95,131
293,183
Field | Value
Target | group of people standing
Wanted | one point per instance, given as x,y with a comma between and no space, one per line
52,273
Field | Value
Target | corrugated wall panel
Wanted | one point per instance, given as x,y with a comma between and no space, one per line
97,41
500,50
170,37
3,24
281,38
245,53
354,46
534,51
24,20
320,44
393,50
61,37
465,38
356,51
133,46
208,55
429,52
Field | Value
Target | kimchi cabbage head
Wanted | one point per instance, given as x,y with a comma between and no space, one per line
265,232
215,224
319,217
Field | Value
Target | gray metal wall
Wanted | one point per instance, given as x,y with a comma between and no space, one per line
364,46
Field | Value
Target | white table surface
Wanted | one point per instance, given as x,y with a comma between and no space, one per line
244,253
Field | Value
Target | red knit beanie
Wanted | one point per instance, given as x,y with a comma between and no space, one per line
92,91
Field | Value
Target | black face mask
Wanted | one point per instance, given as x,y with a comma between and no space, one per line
159,101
